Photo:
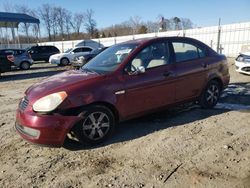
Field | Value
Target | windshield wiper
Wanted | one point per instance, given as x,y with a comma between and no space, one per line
88,70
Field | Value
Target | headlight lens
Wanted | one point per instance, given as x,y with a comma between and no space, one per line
57,57
49,102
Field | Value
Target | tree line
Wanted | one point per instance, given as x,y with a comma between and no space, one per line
62,24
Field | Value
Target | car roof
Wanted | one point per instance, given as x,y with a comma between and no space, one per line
82,47
145,40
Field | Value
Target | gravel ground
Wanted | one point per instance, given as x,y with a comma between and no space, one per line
181,147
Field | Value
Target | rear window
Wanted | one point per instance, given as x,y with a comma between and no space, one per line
185,51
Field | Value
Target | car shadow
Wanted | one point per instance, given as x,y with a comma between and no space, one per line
139,127
27,75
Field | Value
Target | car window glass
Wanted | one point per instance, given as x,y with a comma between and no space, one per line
53,49
201,53
110,58
77,50
155,55
8,52
86,49
185,51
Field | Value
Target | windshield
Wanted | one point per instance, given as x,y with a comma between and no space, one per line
68,50
109,59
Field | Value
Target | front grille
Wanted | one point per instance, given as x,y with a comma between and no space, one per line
24,103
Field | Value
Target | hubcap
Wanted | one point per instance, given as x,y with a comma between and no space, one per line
64,61
25,65
96,125
212,94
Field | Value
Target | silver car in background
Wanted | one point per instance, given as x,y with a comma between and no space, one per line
242,63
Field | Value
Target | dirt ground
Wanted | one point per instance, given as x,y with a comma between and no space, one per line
181,147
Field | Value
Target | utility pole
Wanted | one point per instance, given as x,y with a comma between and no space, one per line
218,38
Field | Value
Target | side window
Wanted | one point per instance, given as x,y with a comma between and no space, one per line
34,50
185,51
86,49
202,53
77,50
154,55
43,49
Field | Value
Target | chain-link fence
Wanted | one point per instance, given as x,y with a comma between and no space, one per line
228,39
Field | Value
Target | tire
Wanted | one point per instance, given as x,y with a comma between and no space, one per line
210,95
25,65
64,61
97,125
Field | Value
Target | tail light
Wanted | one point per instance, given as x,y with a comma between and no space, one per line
11,58
29,55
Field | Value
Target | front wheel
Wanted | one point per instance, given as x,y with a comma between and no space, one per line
97,125
64,62
210,95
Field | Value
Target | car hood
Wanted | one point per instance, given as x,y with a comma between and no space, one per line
60,82
245,53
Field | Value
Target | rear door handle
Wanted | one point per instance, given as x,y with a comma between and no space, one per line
168,74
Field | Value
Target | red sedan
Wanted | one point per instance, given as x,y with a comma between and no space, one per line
125,81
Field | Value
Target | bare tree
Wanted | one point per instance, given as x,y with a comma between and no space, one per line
186,23
10,8
90,23
152,26
67,22
34,27
177,22
45,14
61,13
77,22
24,26
54,21
136,23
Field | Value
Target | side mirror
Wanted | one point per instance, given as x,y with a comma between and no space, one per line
140,70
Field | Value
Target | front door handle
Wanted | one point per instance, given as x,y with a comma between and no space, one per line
204,65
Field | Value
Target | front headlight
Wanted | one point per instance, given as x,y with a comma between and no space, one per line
57,57
49,102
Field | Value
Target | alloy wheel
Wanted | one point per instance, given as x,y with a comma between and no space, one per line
96,125
212,94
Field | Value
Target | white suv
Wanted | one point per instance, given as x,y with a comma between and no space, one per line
67,57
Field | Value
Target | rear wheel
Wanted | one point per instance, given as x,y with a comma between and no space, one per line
25,65
210,95
64,62
97,125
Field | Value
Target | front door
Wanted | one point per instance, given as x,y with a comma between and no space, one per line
155,87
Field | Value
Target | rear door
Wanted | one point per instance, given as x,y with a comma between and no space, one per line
191,69
35,53
81,51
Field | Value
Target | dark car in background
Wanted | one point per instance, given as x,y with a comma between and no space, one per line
22,58
42,53
125,81
79,61
5,62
